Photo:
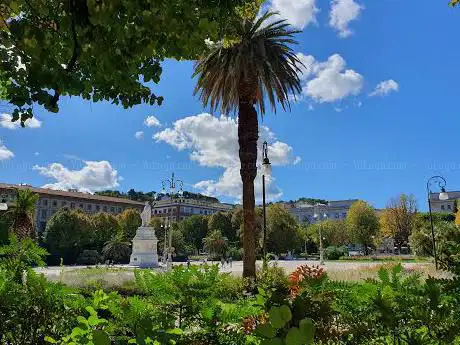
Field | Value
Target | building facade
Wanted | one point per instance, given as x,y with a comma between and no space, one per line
50,201
177,209
305,213
444,206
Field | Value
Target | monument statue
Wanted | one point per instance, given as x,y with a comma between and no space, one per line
145,242
146,214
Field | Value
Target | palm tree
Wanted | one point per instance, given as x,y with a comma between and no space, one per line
22,214
260,66
117,249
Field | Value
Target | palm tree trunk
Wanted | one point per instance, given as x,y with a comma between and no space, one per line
248,134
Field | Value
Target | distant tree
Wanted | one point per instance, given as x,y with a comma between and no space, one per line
105,227
194,229
215,243
457,218
67,233
282,230
454,3
311,201
130,221
5,224
362,224
117,250
222,221
334,232
397,220
237,219
23,213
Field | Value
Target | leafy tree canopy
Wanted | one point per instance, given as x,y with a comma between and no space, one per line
362,224
222,221
282,229
101,50
130,221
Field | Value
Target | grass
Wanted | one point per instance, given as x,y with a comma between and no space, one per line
366,272
122,279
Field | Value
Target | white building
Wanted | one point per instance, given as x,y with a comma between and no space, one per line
444,206
177,209
305,213
50,201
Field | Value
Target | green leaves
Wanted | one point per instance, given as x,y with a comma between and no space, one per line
279,316
101,50
100,337
276,329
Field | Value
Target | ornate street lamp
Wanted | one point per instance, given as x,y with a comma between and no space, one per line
171,184
266,171
321,249
441,181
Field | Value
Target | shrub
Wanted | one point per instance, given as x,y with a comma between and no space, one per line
335,253
35,308
89,257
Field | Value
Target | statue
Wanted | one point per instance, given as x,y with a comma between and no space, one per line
146,214
145,243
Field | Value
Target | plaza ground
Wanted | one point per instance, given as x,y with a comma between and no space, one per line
122,275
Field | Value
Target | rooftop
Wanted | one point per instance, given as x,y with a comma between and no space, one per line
78,195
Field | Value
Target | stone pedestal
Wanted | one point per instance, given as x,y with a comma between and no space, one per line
145,245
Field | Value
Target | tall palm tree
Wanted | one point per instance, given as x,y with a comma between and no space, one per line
241,76
22,213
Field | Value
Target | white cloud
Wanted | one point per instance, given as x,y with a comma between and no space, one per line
152,121
5,153
329,81
299,13
139,135
213,142
342,13
5,122
36,153
94,176
385,87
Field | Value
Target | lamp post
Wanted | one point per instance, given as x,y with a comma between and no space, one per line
171,184
321,249
441,181
266,171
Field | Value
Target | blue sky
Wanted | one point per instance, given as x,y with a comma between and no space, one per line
338,142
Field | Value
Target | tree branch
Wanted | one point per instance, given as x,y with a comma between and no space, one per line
75,53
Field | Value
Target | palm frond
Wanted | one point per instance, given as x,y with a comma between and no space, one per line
261,66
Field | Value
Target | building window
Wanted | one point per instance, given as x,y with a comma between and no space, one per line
54,203
98,208
448,207
45,202
159,211
44,214
104,208
112,209
72,205
119,209
89,207
63,203
442,207
81,205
